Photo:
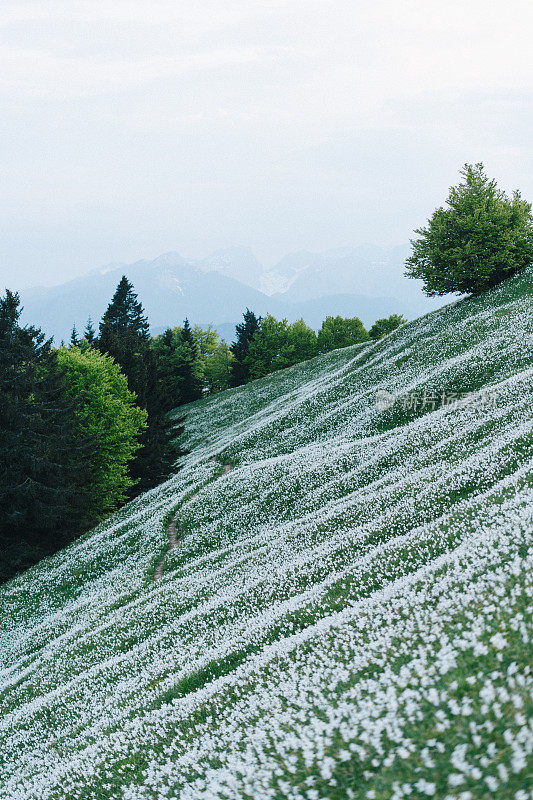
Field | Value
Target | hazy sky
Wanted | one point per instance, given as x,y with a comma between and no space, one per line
130,128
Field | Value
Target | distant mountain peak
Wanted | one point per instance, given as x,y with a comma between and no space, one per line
218,289
170,259
239,263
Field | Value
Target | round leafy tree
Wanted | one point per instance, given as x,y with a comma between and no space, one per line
339,332
386,325
107,412
479,240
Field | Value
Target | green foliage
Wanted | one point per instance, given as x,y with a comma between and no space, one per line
125,313
339,332
191,384
244,333
214,359
107,413
187,337
302,341
168,359
178,368
382,327
159,452
366,596
190,362
89,333
277,345
479,240
46,496
124,335
74,338
269,349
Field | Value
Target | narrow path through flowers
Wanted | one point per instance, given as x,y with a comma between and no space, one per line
175,534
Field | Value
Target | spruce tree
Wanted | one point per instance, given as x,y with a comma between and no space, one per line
125,313
45,495
159,453
187,337
191,384
89,333
178,366
74,339
160,448
245,331
124,334
166,352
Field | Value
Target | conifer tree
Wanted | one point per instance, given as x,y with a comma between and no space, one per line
179,367
160,448
89,333
187,337
160,451
125,313
168,362
45,495
245,331
124,334
191,384
74,339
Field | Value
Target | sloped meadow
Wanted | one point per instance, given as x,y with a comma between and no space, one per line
347,613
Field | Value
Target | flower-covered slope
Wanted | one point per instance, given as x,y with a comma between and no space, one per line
347,612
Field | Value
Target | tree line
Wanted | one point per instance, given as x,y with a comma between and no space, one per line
86,426
265,345
193,362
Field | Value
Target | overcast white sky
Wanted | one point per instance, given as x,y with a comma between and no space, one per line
130,128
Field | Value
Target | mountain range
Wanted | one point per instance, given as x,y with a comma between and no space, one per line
365,281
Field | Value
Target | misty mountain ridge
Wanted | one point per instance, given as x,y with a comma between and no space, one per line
217,289
304,275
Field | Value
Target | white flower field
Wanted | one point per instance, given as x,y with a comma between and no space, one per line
347,612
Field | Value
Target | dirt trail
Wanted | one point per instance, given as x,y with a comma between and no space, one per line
174,538
227,467
175,534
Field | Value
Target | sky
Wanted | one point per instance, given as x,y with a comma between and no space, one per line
131,128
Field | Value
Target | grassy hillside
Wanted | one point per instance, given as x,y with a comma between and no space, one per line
346,613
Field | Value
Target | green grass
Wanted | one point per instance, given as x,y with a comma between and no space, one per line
331,622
